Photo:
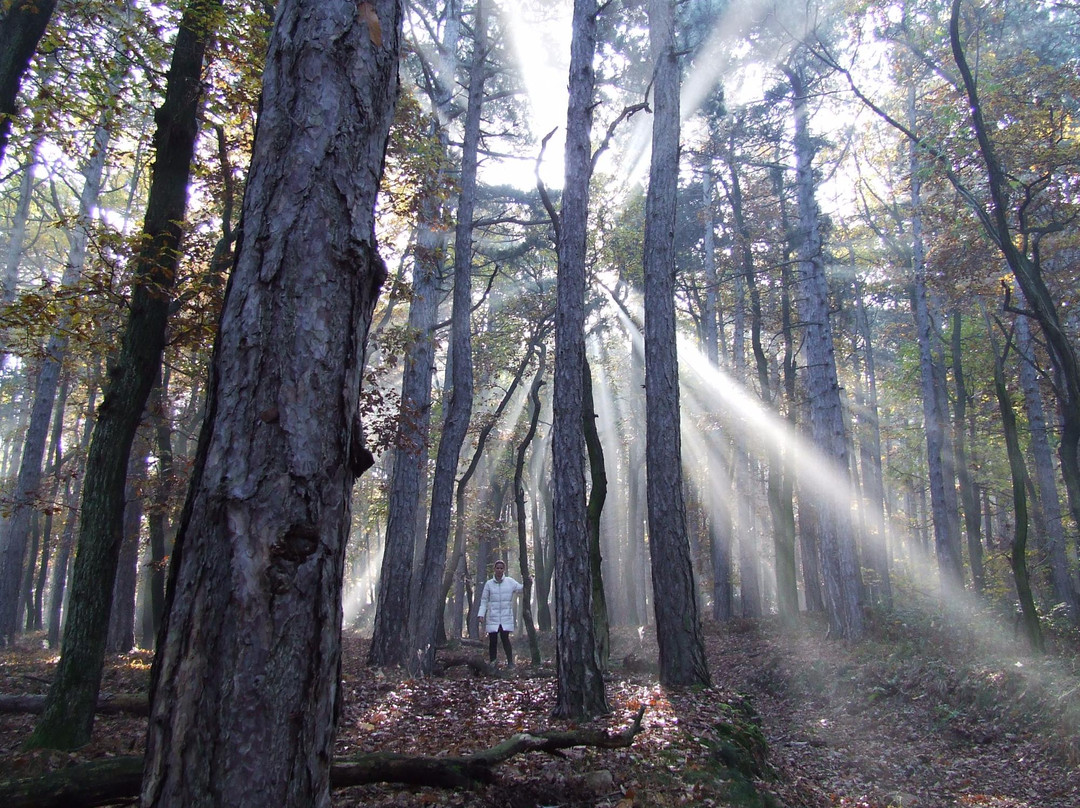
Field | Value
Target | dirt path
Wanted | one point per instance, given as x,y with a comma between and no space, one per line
876,728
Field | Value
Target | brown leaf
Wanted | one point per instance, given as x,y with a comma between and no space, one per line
367,13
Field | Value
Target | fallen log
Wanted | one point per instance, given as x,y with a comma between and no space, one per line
107,704
118,780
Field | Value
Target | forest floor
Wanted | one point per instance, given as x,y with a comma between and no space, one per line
918,716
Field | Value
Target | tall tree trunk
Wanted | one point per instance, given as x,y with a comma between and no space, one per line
750,604
580,692
836,540
1017,473
1061,578
785,495
946,535
408,478
426,617
22,25
678,626
870,458
719,512
251,647
68,716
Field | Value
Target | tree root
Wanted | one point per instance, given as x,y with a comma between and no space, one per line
118,780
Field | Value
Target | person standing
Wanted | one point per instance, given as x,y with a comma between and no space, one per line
496,612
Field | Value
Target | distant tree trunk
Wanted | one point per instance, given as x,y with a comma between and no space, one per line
1017,473
1061,578
55,462
251,646
720,541
22,25
519,507
580,692
719,512
870,458
785,495
16,230
426,617
17,526
68,716
946,535
121,636
969,494
678,626
594,510
836,540
72,495
543,553
158,517
750,605
410,454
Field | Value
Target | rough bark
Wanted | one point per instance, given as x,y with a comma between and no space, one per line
580,691
251,646
678,626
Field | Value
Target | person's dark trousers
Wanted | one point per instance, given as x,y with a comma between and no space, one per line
493,648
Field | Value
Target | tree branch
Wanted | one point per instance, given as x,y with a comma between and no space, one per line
105,782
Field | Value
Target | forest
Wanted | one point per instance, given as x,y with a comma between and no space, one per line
745,333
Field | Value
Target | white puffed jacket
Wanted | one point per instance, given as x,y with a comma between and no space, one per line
497,604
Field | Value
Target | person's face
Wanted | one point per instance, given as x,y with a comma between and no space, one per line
499,570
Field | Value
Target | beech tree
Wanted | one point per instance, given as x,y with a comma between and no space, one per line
254,599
